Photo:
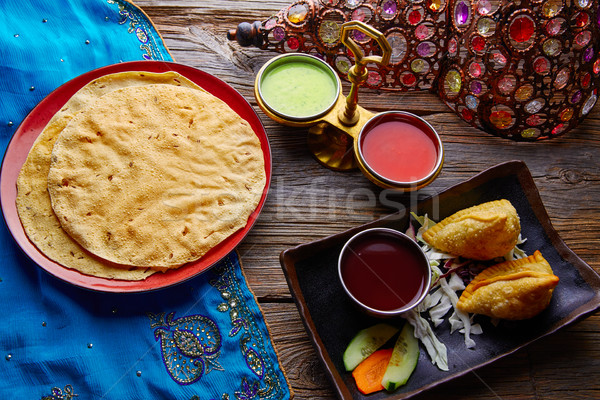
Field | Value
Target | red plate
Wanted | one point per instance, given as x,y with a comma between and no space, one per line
34,123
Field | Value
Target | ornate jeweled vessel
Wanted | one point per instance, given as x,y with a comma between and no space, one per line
525,70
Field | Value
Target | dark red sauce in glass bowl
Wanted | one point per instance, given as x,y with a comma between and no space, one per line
384,271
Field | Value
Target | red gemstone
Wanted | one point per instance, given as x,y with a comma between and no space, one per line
408,79
582,19
467,114
478,43
541,65
522,28
586,80
293,43
414,17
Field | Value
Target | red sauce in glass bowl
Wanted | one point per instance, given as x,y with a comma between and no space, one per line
384,271
399,150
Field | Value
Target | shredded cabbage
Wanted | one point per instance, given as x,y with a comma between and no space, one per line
443,296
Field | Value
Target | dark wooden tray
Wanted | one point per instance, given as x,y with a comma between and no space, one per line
331,320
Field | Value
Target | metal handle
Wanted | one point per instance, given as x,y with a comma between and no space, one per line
358,73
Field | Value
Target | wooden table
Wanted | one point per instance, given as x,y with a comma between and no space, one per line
308,202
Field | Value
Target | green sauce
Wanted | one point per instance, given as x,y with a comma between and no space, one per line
299,87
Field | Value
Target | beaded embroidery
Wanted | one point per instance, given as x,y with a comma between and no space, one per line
139,27
59,394
190,346
251,338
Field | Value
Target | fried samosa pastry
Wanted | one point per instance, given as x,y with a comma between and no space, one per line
514,290
481,232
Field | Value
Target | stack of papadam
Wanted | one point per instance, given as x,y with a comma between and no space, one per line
66,244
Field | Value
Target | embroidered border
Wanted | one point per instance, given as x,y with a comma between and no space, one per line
61,394
138,24
190,346
252,341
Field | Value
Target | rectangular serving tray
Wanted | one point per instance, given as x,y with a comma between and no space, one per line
331,320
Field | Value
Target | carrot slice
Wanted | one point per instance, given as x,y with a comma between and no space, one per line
369,373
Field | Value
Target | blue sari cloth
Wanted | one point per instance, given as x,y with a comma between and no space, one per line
205,338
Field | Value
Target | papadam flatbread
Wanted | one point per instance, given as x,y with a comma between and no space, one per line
155,175
33,201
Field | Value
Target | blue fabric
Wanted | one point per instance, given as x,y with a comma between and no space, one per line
202,339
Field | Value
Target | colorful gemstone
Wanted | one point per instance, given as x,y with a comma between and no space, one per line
486,26
586,79
359,36
329,31
558,129
541,65
535,120
343,64
476,87
362,14
501,119
408,79
352,3
484,7
389,9
278,34
414,17
293,43
399,46
466,114
270,23
454,81
478,43
298,13
583,3
562,78
534,106
596,66
426,49
434,5
524,93
582,19
374,78
521,29
588,54
566,114
551,8
583,38
419,66
422,32
461,13
576,98
498,59
471,101
530,133
552,47
452,46
475,69
507,84
556,26
589,104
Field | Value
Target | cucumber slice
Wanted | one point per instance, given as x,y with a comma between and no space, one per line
366,342
404,359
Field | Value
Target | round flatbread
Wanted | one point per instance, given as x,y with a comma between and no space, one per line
33,200
155,175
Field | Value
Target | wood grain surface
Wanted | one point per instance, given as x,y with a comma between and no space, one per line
308,202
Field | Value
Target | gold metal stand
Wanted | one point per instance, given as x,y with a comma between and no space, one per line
331,137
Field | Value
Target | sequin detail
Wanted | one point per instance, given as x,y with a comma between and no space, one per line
56,393
190,346
128,16
267,384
